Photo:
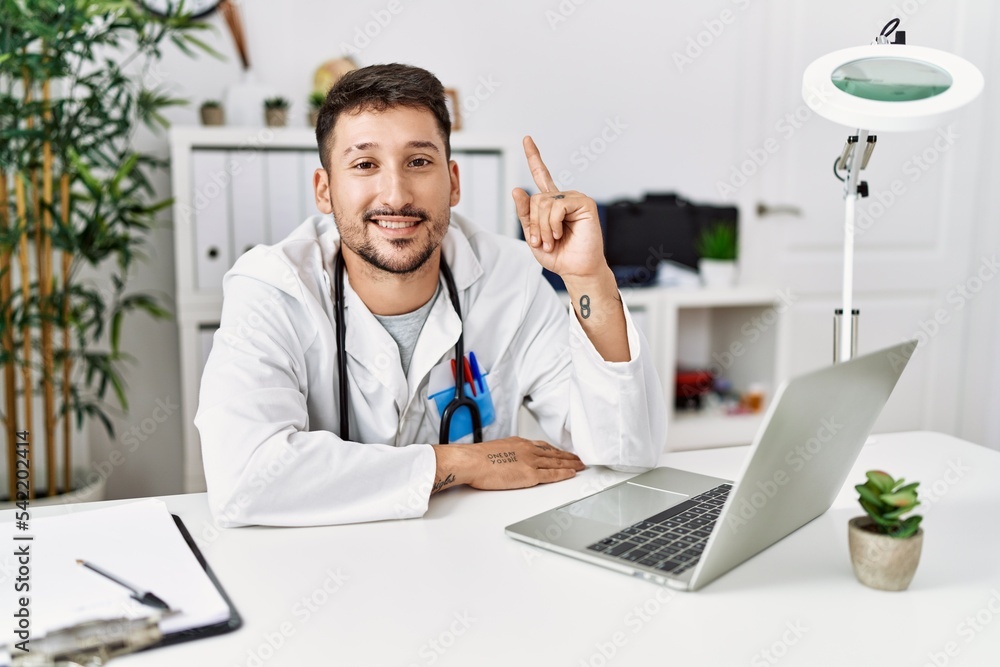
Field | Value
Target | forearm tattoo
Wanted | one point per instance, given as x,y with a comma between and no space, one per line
584,306
503,457
443,483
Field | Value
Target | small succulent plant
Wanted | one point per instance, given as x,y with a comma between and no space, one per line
276,103
886,500
211,104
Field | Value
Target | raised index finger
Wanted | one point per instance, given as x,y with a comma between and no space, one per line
539,172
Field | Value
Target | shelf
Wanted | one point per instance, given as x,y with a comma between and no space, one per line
695,430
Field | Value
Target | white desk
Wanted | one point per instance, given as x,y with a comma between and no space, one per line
452,589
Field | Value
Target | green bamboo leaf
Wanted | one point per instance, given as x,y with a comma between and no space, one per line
204,46
125,170
116,331
119,387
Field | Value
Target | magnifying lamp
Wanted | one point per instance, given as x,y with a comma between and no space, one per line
882,87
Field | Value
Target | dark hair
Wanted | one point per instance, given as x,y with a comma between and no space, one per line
377,88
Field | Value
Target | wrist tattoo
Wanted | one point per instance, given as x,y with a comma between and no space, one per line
443,483
584,306
502,457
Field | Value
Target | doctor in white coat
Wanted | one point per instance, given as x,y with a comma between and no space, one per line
269,410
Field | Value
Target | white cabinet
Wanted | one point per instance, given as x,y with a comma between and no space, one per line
737,333
211,220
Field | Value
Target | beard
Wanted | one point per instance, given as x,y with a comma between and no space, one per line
396,256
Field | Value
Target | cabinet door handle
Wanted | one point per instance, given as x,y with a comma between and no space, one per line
213,252
781,209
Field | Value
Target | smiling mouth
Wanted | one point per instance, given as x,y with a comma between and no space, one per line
395,222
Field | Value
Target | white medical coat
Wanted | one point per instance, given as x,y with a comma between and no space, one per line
268,406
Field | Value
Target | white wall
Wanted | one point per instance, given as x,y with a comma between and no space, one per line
559,70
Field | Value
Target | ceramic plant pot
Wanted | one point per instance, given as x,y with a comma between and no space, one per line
276,117
87,488
213,116
717,272
880,561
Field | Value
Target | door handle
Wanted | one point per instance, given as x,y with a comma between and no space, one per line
781,209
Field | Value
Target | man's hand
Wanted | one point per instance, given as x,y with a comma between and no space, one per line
562,228
564,233
511,463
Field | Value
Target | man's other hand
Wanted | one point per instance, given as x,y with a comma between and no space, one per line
510,463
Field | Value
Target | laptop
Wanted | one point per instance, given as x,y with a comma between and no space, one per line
683,530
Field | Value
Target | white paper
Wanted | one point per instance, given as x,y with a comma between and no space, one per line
137,542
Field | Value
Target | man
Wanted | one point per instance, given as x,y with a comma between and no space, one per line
274,446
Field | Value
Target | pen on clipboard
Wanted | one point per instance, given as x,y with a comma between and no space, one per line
145,597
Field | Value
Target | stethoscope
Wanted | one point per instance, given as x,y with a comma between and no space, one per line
460,400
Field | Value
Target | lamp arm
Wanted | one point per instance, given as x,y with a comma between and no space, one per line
847,334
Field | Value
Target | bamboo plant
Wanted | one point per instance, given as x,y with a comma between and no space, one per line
76,81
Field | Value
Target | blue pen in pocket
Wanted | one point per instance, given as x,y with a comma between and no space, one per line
461,423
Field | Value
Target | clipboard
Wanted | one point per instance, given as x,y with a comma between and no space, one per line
141,543
234,622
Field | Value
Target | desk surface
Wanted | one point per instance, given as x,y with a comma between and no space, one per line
452,589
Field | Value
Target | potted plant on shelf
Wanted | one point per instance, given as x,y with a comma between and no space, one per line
717,249
885,547
212,113
316,99
276,111
75,211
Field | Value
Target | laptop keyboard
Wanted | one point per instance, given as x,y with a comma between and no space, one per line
671,541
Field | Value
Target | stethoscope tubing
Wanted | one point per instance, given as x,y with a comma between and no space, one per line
461,399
